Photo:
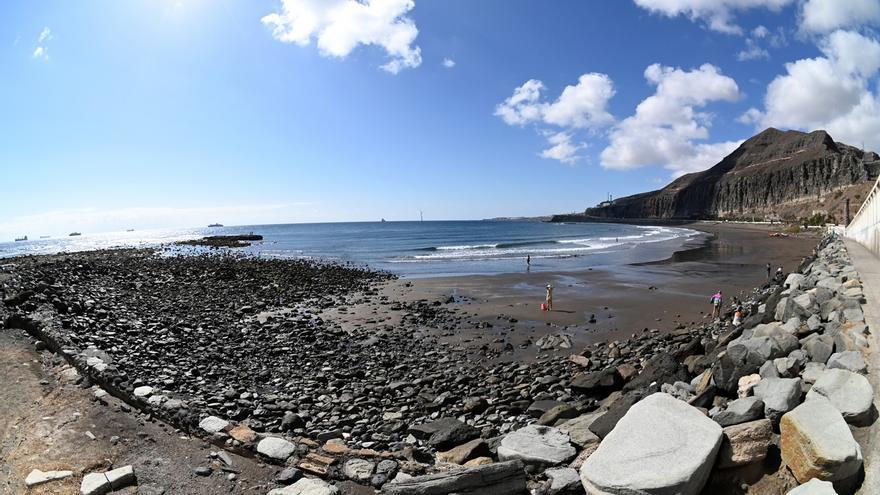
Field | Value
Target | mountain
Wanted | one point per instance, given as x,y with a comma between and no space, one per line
778,175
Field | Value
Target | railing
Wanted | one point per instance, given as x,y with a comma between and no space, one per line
865,226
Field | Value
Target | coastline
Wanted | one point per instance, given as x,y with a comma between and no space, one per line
625,299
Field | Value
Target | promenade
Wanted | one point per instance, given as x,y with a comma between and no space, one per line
868,266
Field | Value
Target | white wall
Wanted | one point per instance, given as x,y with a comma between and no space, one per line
865,226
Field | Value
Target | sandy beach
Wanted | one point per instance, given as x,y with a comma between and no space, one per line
662,295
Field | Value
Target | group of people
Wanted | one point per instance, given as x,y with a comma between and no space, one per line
717,299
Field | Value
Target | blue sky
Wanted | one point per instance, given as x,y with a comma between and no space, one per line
173,113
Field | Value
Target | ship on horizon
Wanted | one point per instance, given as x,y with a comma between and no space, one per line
19,239
215,225
74,234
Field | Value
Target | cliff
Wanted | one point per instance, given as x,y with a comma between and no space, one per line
773,175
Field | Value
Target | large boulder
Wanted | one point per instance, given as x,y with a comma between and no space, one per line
779,395
537,445
445,433
503,478
849,392
848,360
597,382
745,443
276,448
659,369
740,411
814,487
661,445
816,442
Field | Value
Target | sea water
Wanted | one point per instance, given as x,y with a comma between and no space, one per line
418,249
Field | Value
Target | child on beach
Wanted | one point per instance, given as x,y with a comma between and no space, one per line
738,316
717,300
549,301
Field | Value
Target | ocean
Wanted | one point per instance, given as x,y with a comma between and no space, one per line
418,249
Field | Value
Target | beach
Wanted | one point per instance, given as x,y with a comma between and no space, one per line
337,364
625,299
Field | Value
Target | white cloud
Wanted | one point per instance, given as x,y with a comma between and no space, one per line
448,63
562,149
666,127
752,51
41,50
823,16
339,26
45,35
578,107
760,32
718,15
832,92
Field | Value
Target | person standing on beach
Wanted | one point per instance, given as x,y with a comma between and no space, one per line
549,300
768,271
717,300
528,261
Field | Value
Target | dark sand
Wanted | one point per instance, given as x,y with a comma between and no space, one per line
625,299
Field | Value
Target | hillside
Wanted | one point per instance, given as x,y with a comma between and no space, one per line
775,175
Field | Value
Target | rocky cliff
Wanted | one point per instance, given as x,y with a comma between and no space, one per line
774,175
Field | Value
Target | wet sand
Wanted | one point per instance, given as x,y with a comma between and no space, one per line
625,299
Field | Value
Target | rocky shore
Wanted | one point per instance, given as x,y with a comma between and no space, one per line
252,355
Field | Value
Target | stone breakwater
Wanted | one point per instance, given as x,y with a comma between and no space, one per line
397,409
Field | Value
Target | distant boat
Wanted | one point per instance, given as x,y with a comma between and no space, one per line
216,225
19,239
45,236
72,234
130,230
383,220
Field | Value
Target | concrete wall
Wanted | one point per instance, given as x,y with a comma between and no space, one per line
865,226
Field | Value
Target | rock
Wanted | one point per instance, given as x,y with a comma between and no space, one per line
779,395
94,484
560,412
243,434
819,348
288,476
816,442
307,486
360,470
465,452
476,405
203,471
276,448
659,369
814,487
848,360
563,480
740,411
849,392
746,384
143,391
503,478
121,477
37,477
291,421
538,445
745,443
539,407
578,429
213,424
647,451
598,382
812,372
445,433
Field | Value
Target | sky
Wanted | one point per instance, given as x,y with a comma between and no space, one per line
178,113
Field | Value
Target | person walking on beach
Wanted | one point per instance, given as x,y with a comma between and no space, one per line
549,301
768,271
528,261
717,300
